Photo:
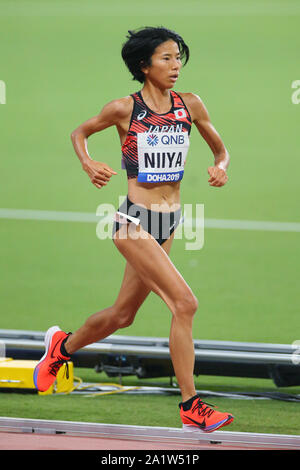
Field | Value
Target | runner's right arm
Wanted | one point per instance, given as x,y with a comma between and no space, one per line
112,113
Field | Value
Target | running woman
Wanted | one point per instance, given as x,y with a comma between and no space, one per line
154,126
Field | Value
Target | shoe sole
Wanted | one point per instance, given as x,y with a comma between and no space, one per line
213,427
49,334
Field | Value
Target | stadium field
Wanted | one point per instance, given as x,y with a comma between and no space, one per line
60,63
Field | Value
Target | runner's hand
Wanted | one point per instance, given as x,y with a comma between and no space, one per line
99,173
218,177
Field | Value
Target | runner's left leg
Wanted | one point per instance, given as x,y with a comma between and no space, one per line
159,273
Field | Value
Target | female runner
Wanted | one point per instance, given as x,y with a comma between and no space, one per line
154,126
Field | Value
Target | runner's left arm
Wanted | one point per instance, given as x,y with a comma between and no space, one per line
200,117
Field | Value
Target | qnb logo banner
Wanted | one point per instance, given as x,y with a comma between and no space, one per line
162,156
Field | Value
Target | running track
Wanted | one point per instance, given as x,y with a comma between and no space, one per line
27,434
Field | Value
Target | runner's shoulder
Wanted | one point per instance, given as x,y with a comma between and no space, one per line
120,108
193,102
190,98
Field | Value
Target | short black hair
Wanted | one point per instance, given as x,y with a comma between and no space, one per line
141,44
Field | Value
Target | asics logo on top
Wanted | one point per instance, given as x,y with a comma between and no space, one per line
141,115
152,140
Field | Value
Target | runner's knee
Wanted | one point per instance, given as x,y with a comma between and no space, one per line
125,321
124,317
187,305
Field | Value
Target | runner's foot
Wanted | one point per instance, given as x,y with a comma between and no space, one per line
197,415
46,370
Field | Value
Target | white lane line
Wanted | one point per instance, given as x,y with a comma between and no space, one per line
56,216
64,216
253,225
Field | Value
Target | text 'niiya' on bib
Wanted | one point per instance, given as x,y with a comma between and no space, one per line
161,156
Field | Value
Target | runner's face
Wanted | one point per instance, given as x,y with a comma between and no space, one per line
165,65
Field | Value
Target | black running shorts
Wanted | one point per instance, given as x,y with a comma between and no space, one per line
160,225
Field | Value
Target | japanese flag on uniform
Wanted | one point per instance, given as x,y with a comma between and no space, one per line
180,113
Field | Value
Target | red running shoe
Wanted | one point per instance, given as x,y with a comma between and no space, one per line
197,415
46,370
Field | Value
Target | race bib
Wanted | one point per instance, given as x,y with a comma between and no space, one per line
162,156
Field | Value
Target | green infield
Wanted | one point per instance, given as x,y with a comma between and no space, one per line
60,64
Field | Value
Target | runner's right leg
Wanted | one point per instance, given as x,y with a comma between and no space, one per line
121,314
59,346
